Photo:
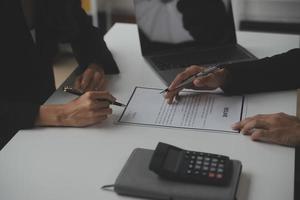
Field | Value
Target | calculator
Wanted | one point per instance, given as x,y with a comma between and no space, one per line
177,164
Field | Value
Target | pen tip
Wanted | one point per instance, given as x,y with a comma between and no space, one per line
66,88
164,91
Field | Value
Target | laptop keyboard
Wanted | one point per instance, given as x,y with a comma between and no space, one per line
202,58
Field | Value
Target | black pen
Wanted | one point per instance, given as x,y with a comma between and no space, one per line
79,93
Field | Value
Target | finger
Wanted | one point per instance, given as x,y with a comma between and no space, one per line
101,95
169,96
192,70
87,77
104,111
92,86
206,82
96,119
100,104
172,93
101,85
275,137
261,135
77,84
254,124
241,124
97,82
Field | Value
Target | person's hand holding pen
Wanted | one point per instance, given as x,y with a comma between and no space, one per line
210,81
83,111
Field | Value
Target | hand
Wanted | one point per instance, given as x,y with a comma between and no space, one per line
92,79
209,82
83,111
277,128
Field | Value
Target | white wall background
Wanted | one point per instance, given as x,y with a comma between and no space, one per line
259,10
271,10
121,6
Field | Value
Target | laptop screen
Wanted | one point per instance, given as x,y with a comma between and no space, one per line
166,25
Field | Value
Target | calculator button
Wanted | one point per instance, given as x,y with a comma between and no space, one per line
219,176
197,167
220,170
204,173
206,163
187,152
191,166
197,172
189,171
213,169
207,159
213,164
205,168
221,165
199,157
199,162
214,160
192,162
211,175
193,157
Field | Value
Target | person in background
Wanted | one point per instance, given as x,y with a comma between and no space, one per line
195,15
30,33
280,72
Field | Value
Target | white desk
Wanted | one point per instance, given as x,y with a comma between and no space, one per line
72,163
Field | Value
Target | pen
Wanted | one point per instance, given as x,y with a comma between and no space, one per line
190,80
79,93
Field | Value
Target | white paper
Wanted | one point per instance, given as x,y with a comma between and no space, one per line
195,111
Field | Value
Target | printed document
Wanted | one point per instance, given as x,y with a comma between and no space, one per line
193,110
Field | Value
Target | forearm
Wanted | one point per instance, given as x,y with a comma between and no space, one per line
280,72
89,46
15,116
50,115
18,115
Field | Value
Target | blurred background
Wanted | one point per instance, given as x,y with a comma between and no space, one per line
279,16
257,15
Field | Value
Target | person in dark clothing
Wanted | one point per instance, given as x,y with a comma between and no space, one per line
30,33
280,72
207,21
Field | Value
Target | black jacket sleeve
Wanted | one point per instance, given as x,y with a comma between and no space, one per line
280,72
88,45
15,116
67,22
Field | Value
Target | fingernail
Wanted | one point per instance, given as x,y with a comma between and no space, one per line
197,81
234,126
177,98
83,83
244,132
168,101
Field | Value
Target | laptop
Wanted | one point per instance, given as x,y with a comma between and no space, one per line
175,34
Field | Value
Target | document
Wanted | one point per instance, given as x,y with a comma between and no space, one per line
206,111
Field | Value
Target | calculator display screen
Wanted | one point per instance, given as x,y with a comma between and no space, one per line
171,160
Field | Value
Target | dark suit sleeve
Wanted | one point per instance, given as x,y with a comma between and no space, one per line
89,46
280,72
15,116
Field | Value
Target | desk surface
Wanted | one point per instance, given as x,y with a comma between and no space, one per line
73,163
